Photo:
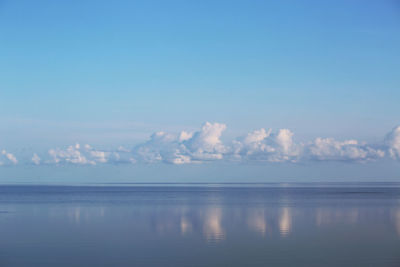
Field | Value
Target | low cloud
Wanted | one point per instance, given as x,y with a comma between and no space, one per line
206,145
263,145
392,140
185,147
324,149
36,159
7,158
79,155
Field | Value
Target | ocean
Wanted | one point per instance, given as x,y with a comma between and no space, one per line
306,224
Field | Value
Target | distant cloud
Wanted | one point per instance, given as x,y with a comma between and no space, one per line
393,142
70,155
7,158
36,159
348,150
77,154
184,147
206,145
262,145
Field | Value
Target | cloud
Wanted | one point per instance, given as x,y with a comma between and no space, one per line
184,147
36,159
348,150
206,144
263,146
77,154
161,147
392,140
8,157
71,155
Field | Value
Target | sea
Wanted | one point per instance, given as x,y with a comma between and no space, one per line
173,224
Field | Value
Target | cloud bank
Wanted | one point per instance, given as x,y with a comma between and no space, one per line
185,147
347,150
262,145
77,154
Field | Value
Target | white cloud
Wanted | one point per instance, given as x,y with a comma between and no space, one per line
393,142
70,155
261,145
183,147
286,149
161,147
80,155
205,140
183,136
10,158
206,145
257,136
36,159
348,150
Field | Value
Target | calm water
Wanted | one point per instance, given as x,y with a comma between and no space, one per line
214,225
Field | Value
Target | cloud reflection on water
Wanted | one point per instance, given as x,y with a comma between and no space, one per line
212,225
186,225
215,217
285,221
216,222
257,221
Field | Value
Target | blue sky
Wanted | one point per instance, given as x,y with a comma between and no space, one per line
110,74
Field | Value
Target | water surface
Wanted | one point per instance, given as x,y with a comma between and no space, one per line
200,225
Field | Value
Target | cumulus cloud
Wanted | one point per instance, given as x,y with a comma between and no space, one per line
77,154
262,145
348,150
392,140
71,155
184,147
161,147
7,158
206,145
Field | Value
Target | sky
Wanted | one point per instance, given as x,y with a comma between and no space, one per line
192,91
